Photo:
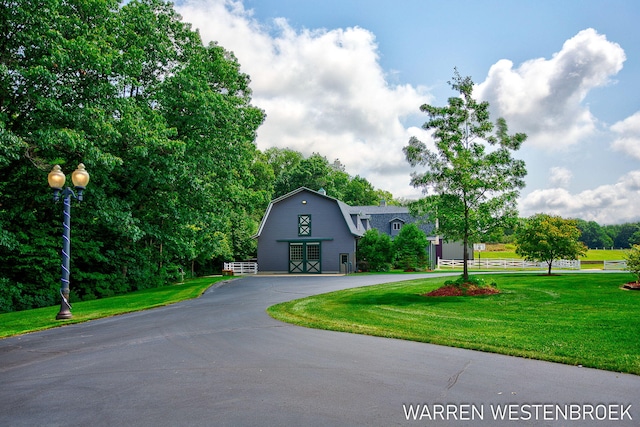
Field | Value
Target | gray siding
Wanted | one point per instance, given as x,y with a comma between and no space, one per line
328,226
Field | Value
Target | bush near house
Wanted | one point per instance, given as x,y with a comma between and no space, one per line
410,248
377,252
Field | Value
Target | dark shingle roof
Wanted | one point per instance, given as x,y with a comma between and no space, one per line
381,216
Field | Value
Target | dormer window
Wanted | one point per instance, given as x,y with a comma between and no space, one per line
396,224
304,225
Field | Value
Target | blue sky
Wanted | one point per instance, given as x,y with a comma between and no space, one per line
346,78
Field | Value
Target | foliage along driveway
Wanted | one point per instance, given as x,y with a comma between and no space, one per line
221,360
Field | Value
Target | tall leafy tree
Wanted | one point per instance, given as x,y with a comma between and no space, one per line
164,125
208,102
313,172
625,235
55,90
592,235
471,179
292,170
282,160
546,238
359,192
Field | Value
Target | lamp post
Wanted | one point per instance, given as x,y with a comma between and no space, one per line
56,178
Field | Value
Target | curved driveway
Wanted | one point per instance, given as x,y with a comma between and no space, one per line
220,360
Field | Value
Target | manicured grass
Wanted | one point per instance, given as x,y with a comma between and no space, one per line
592,254
577,319
604,255
20,322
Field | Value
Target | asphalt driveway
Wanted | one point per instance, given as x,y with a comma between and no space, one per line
220,360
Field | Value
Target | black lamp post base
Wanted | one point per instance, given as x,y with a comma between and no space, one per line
65,307
64,315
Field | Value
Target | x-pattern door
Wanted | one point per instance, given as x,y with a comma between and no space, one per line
296,258
304,257
312,264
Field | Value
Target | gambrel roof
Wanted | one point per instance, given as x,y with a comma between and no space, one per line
343,207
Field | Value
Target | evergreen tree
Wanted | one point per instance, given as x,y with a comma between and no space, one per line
410,247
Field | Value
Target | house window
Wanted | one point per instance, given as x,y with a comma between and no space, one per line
396,226
304,225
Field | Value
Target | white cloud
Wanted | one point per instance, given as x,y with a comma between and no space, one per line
628,135
322,90
560,177
543,97
606,204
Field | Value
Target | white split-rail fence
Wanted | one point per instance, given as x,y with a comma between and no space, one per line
507,263
615,265
241,267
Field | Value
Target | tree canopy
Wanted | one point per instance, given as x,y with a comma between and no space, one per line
164,125
471,180
292,170
166,128
546,238
593,235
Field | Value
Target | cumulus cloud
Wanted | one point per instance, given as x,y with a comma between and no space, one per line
560,177
543,97
628,135
606,204
322,90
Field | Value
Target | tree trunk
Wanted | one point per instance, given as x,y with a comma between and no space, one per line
465,242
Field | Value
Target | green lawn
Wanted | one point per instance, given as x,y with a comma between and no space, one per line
592,254
20,322
576,319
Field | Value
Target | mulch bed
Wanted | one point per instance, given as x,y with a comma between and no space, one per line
634,286
458,291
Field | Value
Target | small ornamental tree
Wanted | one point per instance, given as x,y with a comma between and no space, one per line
375,251
471,180
547,238
633,261
410,247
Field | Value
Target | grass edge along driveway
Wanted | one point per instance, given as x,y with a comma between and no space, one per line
576,319
22,322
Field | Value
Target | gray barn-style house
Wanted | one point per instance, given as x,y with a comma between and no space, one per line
307,231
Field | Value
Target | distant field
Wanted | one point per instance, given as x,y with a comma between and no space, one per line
509,251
